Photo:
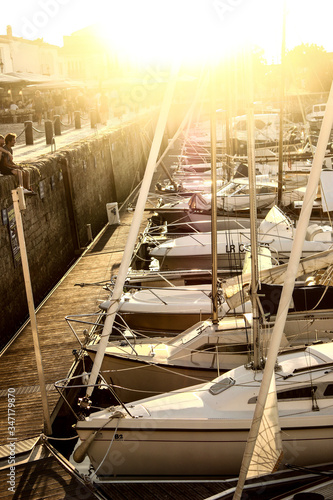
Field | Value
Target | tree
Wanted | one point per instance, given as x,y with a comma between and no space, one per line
310,67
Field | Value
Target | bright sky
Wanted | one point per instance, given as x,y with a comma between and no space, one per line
159,28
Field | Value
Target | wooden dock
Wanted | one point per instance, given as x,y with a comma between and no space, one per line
18,365
39,473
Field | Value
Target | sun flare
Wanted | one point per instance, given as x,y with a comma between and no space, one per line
194,30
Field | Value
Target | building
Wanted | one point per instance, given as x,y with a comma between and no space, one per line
29,56
86,56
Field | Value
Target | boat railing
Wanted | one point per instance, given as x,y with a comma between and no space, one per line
93,336
80,384
172,227
87,321
158,232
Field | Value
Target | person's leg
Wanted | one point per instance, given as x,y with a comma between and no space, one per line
18,175
26,179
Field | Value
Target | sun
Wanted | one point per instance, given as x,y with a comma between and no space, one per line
196,31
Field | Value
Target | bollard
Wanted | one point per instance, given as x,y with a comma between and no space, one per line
93,118
89,233
57,125
48,131
29,135
77,119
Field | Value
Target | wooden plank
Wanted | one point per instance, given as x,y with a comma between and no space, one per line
54,483
18,365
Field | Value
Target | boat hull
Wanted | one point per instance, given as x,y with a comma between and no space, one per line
185,448
157,378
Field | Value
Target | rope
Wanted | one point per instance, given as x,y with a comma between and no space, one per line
39,131
19,135
100,283
109,447
60,439
68,125
83,118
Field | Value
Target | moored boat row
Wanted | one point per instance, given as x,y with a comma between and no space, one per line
202,429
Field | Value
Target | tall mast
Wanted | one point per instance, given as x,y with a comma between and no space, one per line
213,193
253,214
282,84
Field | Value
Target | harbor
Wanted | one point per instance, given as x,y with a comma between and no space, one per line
166,246
80,297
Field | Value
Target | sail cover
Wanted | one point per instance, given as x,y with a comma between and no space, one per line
267,453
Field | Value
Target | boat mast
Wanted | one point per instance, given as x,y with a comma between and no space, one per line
288,287
253,215
228,113
282,84
213,194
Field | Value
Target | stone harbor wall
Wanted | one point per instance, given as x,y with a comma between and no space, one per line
73,186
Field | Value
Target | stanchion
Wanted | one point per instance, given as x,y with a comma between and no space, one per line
93,118
29,135
57,125
77,119
48,131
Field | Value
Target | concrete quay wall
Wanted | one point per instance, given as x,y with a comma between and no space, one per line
73,186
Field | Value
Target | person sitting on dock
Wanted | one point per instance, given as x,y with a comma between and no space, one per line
3,150
8,167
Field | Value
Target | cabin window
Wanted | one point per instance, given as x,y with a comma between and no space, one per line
329,390
223,348
266,190
299,393
259,124
221,386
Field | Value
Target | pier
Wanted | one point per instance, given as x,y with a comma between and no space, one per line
18,365
47,472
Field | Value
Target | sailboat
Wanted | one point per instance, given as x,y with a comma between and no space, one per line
137,368
202,430
203,350
276,231
233,197
154,310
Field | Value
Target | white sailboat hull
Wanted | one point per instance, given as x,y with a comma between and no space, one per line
275,232
153,366
185,447
231,251
170,309
202,430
